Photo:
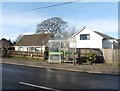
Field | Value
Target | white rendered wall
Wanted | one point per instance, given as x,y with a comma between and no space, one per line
94,42
16,48
27,48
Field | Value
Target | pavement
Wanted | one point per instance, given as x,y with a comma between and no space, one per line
100,68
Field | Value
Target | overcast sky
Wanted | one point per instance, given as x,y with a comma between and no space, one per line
97,16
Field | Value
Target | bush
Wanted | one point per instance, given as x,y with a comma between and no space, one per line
91,57
46,53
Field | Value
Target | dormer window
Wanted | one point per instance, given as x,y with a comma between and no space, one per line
84,36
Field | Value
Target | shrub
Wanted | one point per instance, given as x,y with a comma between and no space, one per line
91,57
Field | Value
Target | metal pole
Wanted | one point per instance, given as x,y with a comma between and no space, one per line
60,53
64,51
75,51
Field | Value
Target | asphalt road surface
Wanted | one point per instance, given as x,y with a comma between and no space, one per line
24,77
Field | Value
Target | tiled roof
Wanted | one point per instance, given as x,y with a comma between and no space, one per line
34,40
104,35
4,41
118,40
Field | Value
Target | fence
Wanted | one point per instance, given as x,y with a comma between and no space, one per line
111,55
107,55
25,54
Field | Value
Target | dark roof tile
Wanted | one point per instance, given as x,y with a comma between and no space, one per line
104,35
34,40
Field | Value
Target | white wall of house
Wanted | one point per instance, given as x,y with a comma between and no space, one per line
94,40
21,48
30,48
16,48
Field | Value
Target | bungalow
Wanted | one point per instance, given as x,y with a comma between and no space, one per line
34,42
86,38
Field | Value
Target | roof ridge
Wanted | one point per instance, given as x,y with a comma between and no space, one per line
37,34
78,31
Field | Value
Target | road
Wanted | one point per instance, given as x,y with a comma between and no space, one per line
24,77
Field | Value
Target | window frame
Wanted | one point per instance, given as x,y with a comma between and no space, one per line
84,35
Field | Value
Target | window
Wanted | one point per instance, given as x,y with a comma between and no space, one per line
31,48
20,49
84,36
38,48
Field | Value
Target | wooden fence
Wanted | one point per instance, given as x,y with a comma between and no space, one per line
103,55
111,55
25,54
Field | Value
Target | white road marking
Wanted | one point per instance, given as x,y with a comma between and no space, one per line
49,70
37,86
93,72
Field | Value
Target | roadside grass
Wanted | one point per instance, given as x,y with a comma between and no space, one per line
25,58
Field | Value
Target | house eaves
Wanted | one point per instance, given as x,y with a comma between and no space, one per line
104,35
78,31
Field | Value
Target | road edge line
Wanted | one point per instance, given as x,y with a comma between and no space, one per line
37,86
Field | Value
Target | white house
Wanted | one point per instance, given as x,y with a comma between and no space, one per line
34,42
86,38
83,38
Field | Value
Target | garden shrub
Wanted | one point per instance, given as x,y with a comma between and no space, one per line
91,57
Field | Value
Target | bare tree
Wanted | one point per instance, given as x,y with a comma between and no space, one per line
72,30
53,25
18,38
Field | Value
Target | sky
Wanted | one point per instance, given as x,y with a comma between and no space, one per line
96,16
